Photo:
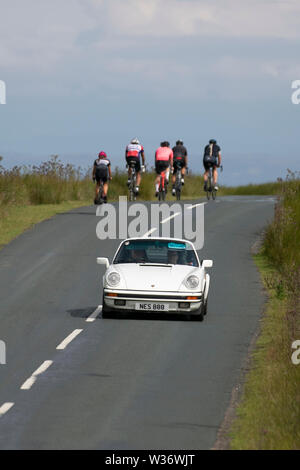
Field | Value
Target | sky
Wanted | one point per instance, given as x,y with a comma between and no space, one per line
88,75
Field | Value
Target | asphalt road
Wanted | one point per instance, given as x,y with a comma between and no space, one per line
154,383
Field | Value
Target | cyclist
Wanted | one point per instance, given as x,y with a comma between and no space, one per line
163,162
134,152
211,158
101,172
179,162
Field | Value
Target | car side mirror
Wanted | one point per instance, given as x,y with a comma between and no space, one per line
104,261
207,263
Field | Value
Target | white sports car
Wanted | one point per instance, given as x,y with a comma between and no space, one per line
157,275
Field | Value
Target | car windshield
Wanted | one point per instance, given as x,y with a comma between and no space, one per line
156,252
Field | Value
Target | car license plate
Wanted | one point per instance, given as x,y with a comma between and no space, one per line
152,307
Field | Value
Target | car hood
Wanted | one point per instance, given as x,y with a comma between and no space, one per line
156,278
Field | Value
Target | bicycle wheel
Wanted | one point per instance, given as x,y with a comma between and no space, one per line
132,189
214,193
208,190
130,192
178,186
99,199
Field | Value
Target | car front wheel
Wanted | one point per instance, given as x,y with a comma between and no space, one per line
198,315
105,310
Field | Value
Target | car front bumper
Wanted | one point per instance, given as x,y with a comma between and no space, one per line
127,301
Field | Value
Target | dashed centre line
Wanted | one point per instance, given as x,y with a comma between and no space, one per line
149,232
29,382
94,315
195,205
5,408
68,339
169,218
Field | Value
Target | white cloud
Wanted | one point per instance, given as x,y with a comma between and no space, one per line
42,33
234,18
64,47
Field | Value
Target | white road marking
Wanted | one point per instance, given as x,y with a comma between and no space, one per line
195,205
149,232
169,218
5,408
68,339
93,316
29,382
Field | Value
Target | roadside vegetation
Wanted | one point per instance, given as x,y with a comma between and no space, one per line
29,194
268,416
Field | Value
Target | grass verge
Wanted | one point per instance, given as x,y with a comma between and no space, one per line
268,415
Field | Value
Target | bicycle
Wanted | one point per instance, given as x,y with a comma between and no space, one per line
178,184
132,183
210,187
163,187
100,198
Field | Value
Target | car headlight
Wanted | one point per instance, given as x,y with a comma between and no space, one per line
113,279
192,282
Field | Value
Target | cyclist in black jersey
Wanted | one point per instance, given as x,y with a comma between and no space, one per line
179,162
211,158
102,172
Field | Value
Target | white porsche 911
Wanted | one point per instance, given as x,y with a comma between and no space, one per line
157,275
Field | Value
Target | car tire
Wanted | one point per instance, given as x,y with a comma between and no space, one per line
200,316
204,308
197,316
105,310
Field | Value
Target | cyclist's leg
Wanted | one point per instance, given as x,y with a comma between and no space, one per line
205,176
105,190
167,174
174,177
215,176
97,189
157,179
138,174
174,173
164,179
129,171
98,177
182,172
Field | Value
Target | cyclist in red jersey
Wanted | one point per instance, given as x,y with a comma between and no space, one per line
134,152
163,162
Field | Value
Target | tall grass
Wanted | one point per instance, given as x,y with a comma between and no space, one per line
269,414
52,182
282,240
49,183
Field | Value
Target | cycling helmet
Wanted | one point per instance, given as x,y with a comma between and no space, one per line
212,141
135,141
102,154
179,142
165,144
